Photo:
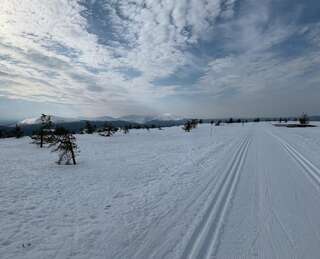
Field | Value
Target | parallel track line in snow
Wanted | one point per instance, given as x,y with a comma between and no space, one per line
205,238
154,246
309,167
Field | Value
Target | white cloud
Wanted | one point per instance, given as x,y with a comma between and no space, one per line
60,51
51,39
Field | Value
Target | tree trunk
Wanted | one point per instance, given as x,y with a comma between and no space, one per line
72,152
41,138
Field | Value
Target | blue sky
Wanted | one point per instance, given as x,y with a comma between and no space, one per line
204,58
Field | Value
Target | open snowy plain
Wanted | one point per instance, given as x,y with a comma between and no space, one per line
249,191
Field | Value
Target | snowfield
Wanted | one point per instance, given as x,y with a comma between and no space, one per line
249,191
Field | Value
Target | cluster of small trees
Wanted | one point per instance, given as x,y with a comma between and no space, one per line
303,119
58,139
190,125
108,129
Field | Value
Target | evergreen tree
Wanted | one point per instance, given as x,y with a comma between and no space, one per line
89,128
304,119
44,134
65,144
18,133
194,123
125,129
187,127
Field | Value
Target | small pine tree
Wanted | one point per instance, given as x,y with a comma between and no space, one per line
187,127
125,129
65,144
89,128
304,119
18,133
44,134
194,123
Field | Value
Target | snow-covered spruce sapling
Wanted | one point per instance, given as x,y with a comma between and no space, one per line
65,144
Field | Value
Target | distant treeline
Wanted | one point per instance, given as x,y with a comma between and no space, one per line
78,126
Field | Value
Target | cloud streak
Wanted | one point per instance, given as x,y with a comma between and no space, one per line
103,54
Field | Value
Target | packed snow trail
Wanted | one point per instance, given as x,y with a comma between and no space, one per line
247,191
274,213
204,240
310,168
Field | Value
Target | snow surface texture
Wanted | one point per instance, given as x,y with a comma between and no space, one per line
249,191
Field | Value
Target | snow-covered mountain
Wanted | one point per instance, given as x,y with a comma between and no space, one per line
144,119
167,117
103,118
136,118
131,118
54,119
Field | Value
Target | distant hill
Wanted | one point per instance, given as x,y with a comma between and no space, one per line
129,118
77,124
54,119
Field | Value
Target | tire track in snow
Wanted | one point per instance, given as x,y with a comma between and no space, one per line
307,165
205,239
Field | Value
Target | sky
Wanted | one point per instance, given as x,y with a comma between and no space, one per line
200,58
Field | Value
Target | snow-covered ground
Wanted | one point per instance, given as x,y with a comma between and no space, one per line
249,191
